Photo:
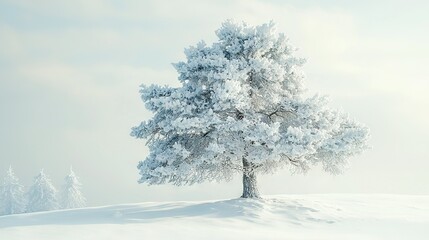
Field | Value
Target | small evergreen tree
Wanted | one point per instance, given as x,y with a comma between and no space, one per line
71,196
42,194
11,194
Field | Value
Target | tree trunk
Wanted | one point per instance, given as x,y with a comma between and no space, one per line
250,188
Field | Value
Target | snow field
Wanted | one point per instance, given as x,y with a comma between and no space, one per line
274,217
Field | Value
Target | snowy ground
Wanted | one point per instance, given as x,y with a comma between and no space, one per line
275,217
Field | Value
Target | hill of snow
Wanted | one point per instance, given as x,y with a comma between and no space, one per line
274,217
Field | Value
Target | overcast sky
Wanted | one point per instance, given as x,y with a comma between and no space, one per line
70,74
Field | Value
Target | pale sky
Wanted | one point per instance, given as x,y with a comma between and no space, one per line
70,74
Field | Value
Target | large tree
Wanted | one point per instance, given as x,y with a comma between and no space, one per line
12,199
241,108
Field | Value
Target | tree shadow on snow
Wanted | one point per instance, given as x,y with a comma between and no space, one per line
251,210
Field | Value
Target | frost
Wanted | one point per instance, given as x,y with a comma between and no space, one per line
42,195
241,108
71,195
11,195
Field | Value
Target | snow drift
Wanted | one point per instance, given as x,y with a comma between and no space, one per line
274,217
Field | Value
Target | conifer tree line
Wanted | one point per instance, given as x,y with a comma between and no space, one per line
41,195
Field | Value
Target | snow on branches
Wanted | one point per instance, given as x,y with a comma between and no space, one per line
71,195
11,195
42,195
241,107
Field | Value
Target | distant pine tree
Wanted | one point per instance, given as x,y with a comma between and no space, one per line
11,194
42,195
71,196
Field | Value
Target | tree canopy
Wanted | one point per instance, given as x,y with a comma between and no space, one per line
42,195
12,199
242,107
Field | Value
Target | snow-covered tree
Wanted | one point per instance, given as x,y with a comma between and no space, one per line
12,199
71,195
241,108
42,195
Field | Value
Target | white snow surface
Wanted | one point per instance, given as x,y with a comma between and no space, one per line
331,216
